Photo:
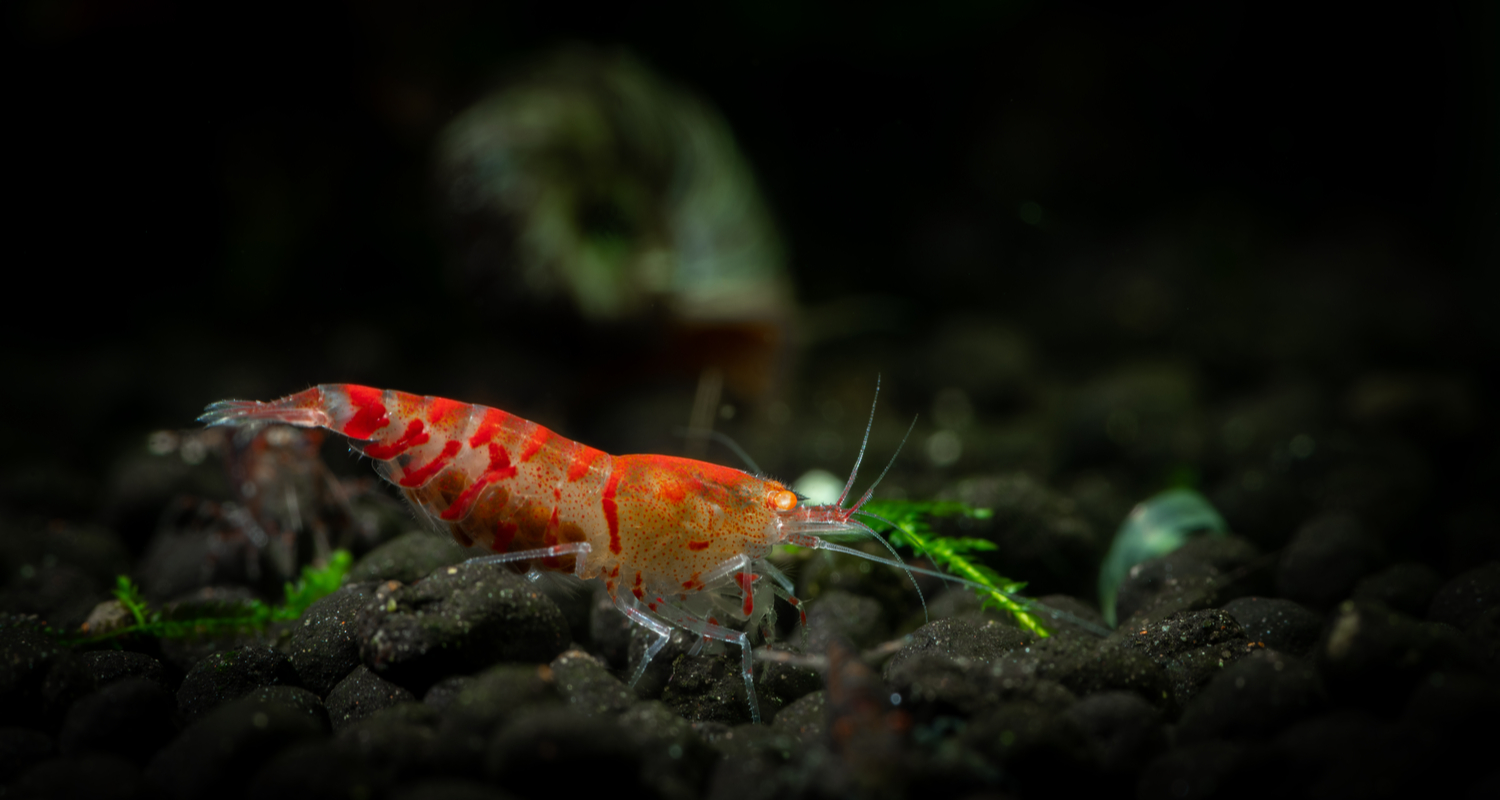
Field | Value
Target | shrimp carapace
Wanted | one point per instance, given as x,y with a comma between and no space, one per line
677,542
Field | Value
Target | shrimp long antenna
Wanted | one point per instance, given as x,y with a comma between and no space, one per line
870,492
1030,603
859,459
898,562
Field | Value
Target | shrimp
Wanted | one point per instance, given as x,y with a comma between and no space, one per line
677,542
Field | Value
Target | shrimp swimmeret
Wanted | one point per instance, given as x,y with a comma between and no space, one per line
667,535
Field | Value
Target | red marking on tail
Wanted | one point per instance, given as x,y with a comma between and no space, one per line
534,444
499,470
413,436
611,514
442,411
581,461
696,546
370,416
488,427
420,476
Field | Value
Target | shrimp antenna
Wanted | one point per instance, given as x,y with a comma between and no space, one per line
859,459
870,492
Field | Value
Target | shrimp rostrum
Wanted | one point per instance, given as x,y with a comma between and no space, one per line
677,542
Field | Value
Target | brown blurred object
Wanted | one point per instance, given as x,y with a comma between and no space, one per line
587,187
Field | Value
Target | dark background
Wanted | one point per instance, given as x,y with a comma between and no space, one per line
216,199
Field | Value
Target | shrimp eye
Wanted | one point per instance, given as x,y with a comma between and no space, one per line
783,500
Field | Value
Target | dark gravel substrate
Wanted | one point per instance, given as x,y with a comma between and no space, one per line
1369,695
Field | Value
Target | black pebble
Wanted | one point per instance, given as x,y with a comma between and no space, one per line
361,694
132,717
1407,587
213,756
1325,559
1253,698
231,674
324,648
82,673
20,748
27,653
1464,600
96,776
458,620
1122,729
1280,624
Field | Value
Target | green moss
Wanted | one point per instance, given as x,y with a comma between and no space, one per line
315,583
953,554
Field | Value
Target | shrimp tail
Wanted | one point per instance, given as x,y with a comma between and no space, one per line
304,409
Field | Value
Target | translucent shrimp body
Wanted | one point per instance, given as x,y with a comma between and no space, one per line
677,542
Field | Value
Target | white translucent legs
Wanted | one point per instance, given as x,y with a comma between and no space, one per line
666,616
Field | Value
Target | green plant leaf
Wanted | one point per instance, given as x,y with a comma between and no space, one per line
912,531
315,583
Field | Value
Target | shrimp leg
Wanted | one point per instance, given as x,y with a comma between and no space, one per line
631,608
579,549
709,630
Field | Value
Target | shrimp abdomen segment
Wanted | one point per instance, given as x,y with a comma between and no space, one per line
492,479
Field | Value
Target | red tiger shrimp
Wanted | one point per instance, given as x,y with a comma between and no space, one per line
666,535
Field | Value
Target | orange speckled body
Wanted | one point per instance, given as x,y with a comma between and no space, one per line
656,524
665,534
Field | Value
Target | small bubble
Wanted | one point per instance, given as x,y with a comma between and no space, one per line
944,448
895,698
161,443
726,411
1030,213
193,450
1301,446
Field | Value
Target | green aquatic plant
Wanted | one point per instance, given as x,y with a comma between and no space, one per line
1154,528
905,524
315,583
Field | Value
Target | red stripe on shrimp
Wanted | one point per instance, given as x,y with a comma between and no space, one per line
746,582
582,460
488,427
500,468
418,477
369,415
414,435
441,410
539,438
611,514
